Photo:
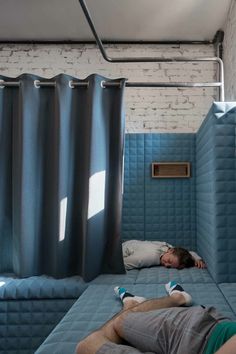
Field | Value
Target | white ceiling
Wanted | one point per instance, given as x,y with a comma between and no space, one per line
157,20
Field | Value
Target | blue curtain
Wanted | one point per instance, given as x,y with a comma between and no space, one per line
61,156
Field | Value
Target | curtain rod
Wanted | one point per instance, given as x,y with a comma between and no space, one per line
73,84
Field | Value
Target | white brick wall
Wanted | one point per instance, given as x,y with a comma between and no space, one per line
147,109
230,54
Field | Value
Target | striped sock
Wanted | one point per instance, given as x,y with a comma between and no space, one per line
173,287
124,295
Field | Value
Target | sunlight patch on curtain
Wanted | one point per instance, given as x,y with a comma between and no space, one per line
62,220
96,193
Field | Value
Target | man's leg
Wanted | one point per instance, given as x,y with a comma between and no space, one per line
112,330
229,347
129,300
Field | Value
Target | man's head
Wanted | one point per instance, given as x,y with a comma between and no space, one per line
177,257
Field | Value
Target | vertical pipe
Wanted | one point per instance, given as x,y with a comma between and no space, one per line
221,77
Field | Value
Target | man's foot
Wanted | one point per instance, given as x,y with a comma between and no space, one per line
174,288
125,296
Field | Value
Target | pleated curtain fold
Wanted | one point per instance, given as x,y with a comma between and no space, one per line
61,157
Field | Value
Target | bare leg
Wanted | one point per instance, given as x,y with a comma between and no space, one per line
229,347
112,330
129,304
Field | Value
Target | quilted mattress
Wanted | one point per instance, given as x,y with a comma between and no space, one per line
229,291
24,324
45,287
30,308
160,275
98,303
41,287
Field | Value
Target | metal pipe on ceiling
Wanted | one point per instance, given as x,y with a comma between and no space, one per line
72,41
217,60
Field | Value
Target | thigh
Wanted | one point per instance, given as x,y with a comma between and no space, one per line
112,348
172,330
146,331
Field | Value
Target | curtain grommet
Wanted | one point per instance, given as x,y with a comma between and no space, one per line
2,84
71,84
36,83
102,84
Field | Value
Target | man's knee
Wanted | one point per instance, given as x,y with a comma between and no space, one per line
118,324
81,347
90,344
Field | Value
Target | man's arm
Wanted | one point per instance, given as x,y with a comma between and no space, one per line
199,263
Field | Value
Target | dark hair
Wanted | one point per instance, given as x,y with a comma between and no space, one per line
185,258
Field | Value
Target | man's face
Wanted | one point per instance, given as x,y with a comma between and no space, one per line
169,260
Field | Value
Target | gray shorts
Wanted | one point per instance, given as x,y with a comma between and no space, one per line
175,330
111,348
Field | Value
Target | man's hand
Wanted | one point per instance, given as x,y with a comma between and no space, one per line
200,264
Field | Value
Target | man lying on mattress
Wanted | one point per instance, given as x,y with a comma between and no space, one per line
140,254
160,326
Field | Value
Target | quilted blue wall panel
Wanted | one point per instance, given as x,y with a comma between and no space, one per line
159,209
205,198
216,191
133,197
170,202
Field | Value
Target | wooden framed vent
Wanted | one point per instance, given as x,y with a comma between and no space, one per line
170,169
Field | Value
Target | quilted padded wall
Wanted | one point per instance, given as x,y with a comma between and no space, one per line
206,215
170,202
216,191
133,199
159,209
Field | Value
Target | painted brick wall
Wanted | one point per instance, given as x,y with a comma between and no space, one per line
147,110
230,54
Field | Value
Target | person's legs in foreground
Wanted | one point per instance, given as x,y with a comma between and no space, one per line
229,347
112,330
